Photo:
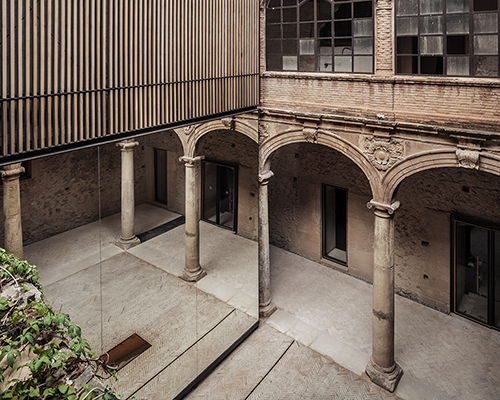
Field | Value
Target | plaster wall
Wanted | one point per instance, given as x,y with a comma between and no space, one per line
295,197
63,191
422,227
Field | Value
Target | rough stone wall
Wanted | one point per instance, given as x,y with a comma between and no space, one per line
63,192
231,147
295,204
422,227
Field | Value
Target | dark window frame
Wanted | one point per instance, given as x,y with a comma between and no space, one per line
324,252
317,58
418,63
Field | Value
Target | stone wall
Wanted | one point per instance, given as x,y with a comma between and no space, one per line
295,197
63,191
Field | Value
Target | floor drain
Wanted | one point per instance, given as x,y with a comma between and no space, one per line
126,351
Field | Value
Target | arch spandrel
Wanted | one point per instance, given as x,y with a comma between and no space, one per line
190,135
322,137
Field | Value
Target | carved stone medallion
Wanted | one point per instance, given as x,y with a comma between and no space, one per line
188,130
311,135
228,122
468,159
381,153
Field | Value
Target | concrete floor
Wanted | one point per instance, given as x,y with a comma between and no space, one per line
318,342
112,294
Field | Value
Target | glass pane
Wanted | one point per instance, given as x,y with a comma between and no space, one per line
324,10
289,15
363,64
273,62
343,46
406,7
290,63
289,3
363,9
325,63
290,47
407,45
161,176
226,205
486,44
363,27
486,66
457,44
363,46
431,6
431,65
210,192
342,11
307,11
343,28
273,16
274,3
325,29
290,31
407,26
457,23
431,45
306,30
274,31
457,66
485,5
407,65
306,46
497,279
306,63
342,64
325,46
457,6
431,25
471,280
486,23
273,46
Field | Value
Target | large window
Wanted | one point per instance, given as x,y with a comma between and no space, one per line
447,37
320,35
335,223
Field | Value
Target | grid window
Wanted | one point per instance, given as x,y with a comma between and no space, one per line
447,37
320,35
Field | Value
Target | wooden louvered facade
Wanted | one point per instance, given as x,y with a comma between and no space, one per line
77,71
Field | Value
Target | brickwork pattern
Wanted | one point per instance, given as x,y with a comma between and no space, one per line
383,38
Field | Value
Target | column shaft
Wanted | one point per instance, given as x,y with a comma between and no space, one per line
12,209
266,306
192,269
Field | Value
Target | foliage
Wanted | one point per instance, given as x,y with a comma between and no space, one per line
39,345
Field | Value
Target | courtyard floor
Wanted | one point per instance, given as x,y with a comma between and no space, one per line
315,346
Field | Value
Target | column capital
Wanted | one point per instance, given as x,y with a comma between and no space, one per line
383,210
191,161
12,171
265,176
127,145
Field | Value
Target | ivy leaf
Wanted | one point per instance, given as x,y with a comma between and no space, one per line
11,358
63,388
35,393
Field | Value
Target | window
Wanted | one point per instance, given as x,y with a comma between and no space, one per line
320,35
161,193
335,223
477,272
447,37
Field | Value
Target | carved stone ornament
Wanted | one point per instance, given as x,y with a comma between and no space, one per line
383,154
311,135
188,130
468,159
228,122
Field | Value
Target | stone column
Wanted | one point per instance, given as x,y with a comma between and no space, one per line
266,306
192,269
128,238
12,209
382,368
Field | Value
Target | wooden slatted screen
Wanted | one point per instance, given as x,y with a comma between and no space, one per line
82,69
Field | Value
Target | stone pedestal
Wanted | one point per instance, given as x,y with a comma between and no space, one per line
266,306
127,237
12,209
192,269
382,368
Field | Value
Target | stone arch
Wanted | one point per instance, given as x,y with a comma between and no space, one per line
440,158
191,135
325,138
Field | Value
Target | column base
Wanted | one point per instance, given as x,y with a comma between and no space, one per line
126,244
193,277
266,311
387,378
